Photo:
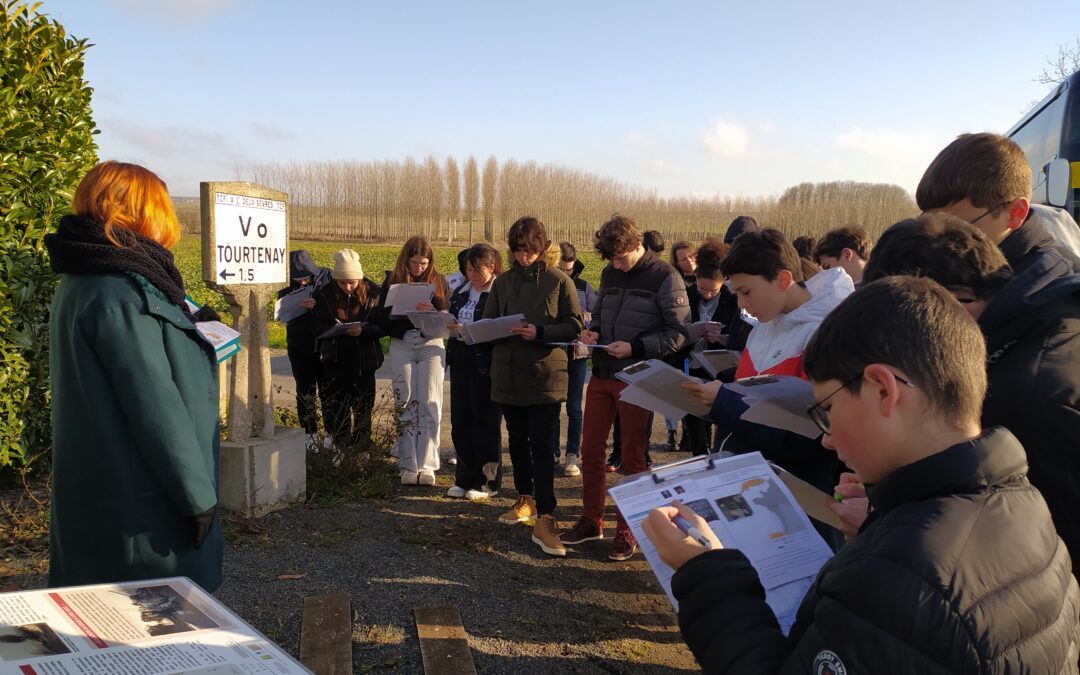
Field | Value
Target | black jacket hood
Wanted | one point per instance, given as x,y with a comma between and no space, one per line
1046,278
301,265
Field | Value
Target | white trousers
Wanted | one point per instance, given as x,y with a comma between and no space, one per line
417,368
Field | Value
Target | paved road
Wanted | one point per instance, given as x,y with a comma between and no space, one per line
283,383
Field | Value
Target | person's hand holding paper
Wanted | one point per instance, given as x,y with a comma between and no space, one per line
620,350
527,332
674,546
706,391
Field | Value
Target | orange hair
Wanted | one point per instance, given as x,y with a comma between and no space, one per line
116,194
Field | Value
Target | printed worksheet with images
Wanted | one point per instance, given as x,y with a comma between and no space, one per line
748,507
152,627
778,401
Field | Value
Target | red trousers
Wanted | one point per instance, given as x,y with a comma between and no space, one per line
601,404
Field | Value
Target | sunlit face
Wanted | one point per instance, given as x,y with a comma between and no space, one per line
526,257
709,288
347,285
856,432
480,277
626,260
994,221
762,299
687,261
417,265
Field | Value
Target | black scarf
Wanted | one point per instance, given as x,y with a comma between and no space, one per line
80,246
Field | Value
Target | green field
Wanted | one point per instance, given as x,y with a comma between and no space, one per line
376,258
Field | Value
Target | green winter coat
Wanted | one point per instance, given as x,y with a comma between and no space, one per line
135,435
533,373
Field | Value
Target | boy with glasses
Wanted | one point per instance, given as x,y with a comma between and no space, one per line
985,179
957,570
1031,322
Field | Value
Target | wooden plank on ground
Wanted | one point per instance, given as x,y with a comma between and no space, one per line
326,634
444,646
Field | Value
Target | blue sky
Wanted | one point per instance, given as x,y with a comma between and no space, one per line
687,98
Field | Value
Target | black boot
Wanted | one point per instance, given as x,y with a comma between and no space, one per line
671,440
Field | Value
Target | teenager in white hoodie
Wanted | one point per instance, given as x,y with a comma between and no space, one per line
764,272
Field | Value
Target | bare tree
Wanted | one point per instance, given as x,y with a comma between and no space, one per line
491,177
1063,65
472,192
453,196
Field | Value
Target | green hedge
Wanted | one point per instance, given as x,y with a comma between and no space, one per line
46,147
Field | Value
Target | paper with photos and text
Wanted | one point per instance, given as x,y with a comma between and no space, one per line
157,626
748,507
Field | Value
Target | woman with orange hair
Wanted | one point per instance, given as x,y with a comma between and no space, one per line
134,394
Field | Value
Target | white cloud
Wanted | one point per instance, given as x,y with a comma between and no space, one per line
883,143
634,138
188,10
664,167
727,139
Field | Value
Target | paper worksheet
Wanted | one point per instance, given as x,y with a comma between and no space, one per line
778,401
403,298
288,307
748,507
339,329
715,361
656,386
432,324
699,328
486,330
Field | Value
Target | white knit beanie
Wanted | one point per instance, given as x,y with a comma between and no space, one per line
347,265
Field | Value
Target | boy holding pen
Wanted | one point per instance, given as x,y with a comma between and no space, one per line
958,569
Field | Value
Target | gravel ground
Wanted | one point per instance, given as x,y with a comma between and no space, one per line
524,612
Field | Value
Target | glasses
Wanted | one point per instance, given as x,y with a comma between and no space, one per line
820,414
989,211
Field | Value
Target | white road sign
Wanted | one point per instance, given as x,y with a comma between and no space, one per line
250,240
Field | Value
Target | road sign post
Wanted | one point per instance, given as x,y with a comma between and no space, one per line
246,257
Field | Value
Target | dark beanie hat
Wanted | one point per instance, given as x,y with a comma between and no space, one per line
738,226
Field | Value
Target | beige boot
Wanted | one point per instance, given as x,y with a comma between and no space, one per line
523,510
545,534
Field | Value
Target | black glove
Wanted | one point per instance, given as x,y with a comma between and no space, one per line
206,313
201,524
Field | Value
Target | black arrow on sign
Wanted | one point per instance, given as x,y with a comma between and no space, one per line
225,275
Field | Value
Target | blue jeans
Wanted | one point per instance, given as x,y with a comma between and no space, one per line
576,369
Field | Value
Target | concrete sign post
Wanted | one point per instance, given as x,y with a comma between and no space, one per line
245,255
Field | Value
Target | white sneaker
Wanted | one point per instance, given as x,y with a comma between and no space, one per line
572,468
457,492
452,460
480,495
426,478
408,478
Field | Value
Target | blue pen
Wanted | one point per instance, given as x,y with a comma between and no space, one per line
684,525
686,366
